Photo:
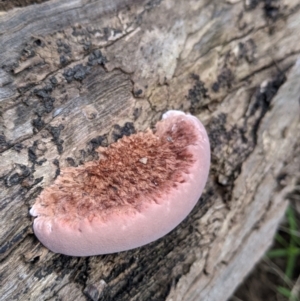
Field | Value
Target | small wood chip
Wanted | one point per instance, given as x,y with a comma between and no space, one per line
144,160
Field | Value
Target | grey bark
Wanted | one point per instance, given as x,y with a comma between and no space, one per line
78,74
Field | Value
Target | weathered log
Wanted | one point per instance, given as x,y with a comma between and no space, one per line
76,75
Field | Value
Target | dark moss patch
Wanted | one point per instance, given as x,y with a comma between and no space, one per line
6,5
63,47
18,147
41,93
137,113
19,173
78,72
263,99
87,46
247,51
41,161
3,143
31,153
96,58
138,93
71,162
32,156
53,80
38,123
272,9
98,141
28,52
39,43
240,141
127,130
46,100
63,60
217,131
215,87
224,80
223,167
197,94
55,132
57,172
14,179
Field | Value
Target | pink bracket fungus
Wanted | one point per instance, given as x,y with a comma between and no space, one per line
140,189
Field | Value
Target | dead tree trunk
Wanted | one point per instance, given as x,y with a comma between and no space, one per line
78,74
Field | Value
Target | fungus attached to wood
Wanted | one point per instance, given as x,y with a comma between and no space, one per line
142,187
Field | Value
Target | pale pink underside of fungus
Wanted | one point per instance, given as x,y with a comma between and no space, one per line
142,187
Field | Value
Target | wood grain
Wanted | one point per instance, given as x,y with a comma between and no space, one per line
76,75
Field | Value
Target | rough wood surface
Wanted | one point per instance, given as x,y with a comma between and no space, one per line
76,75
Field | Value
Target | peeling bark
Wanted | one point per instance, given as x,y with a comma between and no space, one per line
76,75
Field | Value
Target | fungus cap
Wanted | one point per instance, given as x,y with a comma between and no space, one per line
140,189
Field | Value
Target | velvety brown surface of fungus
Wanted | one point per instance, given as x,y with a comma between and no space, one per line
135,169
141,187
